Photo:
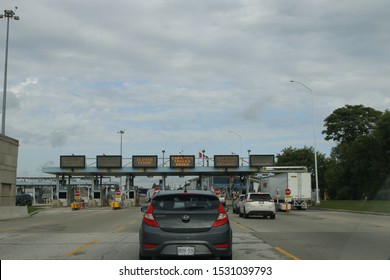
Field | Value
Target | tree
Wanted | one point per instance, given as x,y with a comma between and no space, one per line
382,134
359,159
346,124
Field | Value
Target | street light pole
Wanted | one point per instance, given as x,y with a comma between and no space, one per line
239,136
9,14
314,139
121,132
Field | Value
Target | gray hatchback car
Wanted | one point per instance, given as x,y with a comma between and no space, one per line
185,223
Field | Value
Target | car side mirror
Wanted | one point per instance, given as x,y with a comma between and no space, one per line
144,208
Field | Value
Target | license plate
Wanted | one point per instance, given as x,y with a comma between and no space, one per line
185,251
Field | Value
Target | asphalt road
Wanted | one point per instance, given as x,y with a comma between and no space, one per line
106,234
325,235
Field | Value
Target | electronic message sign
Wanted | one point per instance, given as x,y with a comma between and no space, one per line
261,160
227,161
181,161
72,161
144,162
108,161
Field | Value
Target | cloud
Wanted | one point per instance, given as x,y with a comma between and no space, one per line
58,139
181,74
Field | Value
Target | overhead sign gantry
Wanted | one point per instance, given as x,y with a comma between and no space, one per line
179,165
148,165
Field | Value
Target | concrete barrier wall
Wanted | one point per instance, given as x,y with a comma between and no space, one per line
8,165
13,212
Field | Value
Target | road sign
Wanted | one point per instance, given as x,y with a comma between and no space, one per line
180,161
76,193
118,192
287,191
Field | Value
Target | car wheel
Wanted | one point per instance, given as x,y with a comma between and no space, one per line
272,216
240,214
246,216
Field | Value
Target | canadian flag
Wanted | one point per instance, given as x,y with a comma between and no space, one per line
201,155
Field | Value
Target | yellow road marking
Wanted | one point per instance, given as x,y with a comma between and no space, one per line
287,254
119,229
239,225
80,248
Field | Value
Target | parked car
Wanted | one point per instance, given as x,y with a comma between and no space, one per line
258,204
237,202
23,200
185,223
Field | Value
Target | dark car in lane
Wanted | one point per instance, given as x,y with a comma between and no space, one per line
185,223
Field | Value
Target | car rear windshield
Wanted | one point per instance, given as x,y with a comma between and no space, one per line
260,196
181,202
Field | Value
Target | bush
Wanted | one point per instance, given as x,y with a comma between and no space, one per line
345,193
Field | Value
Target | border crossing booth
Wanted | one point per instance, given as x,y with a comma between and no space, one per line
231,173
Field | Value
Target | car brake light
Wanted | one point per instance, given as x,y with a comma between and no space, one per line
222,217
149,218
271,200
221,246
149,246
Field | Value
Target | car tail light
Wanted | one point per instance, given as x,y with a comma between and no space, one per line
149,246
221,246
271,200
249,200
149,218
222,217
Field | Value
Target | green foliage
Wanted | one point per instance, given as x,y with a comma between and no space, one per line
32,209
344,193
359,165
378,206
346,124
297,157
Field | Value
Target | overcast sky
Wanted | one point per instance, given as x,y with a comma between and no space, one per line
178,75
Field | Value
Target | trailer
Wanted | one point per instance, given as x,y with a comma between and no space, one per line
288,188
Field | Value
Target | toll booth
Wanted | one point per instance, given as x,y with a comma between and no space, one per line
132,201
96,199
63,198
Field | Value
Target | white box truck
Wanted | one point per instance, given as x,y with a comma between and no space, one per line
293,188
